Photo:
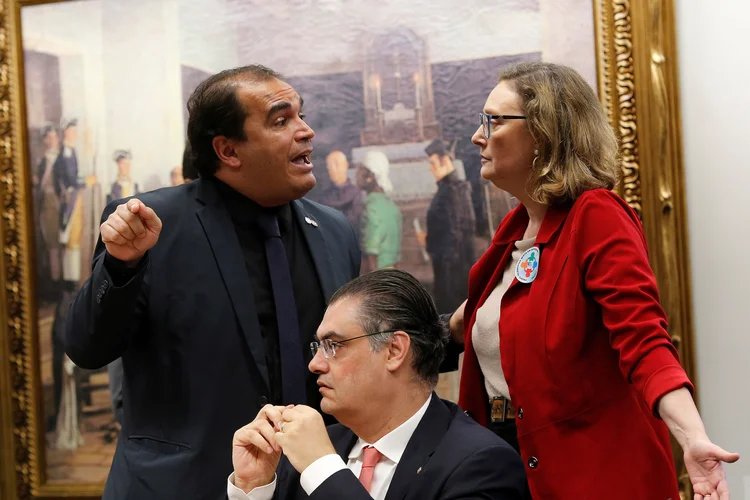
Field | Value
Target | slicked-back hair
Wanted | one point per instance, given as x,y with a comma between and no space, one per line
392,300
214,110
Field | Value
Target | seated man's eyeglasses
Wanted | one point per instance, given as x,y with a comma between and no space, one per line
487,121
329,346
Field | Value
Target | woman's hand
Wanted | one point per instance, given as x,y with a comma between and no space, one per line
456,324
702,458
703,462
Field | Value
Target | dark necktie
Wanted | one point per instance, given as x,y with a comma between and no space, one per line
290,344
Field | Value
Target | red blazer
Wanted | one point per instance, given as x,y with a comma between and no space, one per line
586,354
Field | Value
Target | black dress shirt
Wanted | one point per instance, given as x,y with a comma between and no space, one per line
308,295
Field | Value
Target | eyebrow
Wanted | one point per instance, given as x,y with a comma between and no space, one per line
329,335
280,106
510,113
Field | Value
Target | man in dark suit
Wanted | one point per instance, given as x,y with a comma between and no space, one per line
450,230
377,358
211,291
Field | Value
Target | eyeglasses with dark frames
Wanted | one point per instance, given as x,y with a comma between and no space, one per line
329,346
486,120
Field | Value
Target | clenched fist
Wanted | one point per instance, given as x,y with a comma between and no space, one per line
131,230
303,437
255,452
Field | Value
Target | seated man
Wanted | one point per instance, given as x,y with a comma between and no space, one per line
377,358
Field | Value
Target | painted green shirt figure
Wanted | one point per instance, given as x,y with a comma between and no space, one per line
381,229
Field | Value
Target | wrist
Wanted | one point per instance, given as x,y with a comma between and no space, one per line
695,436
118,263
249,484
315,457
688,437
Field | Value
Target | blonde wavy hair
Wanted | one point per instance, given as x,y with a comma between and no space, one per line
577,147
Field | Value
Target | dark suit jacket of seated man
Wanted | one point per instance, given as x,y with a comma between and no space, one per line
188,302
397,440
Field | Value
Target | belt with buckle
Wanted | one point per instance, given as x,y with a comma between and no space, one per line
501,409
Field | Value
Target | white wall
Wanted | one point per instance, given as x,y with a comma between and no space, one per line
713,39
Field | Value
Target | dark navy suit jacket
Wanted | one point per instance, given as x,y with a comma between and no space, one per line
187,331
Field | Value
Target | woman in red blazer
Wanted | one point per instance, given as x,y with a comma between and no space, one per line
564,333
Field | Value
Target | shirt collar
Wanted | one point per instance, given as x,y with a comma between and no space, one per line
393,444
245,211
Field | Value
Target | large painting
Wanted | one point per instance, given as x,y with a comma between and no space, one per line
393,94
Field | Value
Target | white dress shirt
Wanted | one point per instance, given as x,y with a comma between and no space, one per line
391,446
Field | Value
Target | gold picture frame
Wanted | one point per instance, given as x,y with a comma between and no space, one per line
637,84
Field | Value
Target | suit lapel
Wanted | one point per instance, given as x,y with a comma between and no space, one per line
420,448
318,250
217,224
344,444
513,231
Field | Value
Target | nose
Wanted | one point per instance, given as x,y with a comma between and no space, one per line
305,133
478,137
318,365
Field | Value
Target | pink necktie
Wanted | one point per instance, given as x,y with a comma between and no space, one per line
372,457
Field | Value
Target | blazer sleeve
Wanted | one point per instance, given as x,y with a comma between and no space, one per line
494,473
105,314
453,350
343,485
613,260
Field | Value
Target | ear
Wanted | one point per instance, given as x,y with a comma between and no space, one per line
398,351
225,150
445,161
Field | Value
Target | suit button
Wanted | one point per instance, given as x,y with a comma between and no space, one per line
105,285
533,463
520,413
262,401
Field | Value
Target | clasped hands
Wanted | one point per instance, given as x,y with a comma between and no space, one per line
296,431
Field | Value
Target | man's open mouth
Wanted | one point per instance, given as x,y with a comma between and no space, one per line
303,159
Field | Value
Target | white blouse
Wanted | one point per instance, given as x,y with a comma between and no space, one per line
485,334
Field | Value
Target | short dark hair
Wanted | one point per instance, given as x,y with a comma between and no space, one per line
189,172
436,147
395,300
214,110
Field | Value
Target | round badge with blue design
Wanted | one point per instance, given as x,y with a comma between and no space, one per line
528,265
